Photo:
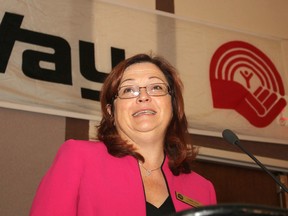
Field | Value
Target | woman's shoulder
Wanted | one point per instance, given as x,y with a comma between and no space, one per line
83,147
196,178
199,177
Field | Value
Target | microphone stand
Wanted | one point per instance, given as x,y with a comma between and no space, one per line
232,138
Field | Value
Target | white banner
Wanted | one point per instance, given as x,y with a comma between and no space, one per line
56,54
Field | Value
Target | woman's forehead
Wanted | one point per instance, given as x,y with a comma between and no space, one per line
143,69
142,74
143,66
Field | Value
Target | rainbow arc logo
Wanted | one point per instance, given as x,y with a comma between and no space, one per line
243,78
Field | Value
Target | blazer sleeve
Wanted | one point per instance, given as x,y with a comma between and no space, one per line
57,193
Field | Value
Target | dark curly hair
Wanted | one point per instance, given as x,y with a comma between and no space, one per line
179,150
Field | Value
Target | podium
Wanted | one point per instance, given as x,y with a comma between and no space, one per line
234,210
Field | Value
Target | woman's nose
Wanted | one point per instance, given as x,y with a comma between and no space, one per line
143,96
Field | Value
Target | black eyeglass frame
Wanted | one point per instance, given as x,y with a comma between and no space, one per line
138,92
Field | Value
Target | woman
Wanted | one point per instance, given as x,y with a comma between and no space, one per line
141,164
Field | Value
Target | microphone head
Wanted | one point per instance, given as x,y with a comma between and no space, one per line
230,136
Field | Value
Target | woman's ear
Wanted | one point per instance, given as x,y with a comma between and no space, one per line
109,109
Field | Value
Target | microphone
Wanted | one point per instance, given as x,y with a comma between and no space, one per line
232,138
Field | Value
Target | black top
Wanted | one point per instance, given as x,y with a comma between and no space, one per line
165,209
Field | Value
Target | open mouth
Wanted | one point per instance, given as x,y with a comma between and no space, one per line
144,112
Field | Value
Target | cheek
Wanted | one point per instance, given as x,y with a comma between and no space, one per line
171,111
121,110
116,110
171,108
167,108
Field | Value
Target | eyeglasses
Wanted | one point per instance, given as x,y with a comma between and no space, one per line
132,91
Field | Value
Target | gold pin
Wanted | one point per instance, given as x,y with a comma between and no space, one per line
188,200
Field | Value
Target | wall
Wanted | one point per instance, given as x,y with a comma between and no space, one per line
28,144
264,17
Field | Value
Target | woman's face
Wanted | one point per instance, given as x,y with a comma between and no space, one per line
144,113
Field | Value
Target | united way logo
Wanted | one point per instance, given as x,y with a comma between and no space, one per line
244,79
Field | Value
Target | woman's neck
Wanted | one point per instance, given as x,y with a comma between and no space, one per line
149,145
153,155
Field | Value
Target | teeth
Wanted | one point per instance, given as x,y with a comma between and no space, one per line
144,112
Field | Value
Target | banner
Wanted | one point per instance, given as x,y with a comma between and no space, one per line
55,56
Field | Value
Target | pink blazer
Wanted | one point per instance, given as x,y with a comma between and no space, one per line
85,180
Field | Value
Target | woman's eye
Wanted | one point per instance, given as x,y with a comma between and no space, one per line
157,87
128,90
